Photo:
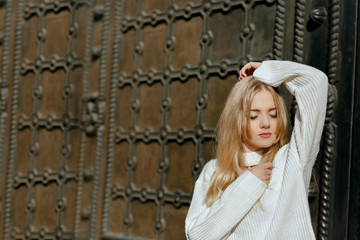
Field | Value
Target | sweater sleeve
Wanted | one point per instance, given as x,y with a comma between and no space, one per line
309,86
216,222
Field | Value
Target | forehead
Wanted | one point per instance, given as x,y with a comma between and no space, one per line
263,100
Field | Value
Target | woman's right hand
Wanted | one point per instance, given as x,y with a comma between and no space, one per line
248,69
263,171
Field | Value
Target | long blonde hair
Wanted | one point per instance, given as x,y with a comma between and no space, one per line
232,132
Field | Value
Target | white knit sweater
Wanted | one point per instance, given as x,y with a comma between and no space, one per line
284,210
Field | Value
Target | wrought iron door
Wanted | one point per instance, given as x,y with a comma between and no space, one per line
108,107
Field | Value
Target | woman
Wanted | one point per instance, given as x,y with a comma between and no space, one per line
257,186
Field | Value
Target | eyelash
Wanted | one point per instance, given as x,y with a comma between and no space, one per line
254,117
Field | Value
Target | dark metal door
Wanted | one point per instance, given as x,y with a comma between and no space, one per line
108,108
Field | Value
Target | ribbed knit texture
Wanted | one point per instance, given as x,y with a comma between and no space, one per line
283,211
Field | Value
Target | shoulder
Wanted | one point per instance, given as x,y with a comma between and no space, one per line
208,169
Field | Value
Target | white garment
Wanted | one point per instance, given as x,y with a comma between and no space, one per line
283,212
251,159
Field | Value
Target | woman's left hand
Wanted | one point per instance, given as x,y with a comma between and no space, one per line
248,69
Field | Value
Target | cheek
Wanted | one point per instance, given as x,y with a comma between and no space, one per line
252,129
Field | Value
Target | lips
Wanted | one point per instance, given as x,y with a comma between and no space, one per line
265,135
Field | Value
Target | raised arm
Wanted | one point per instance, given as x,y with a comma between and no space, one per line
310,86
217,221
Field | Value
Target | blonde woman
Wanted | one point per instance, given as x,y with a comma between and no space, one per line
257,187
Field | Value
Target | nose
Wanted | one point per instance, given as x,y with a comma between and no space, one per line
265,122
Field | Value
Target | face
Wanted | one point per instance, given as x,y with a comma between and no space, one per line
262,128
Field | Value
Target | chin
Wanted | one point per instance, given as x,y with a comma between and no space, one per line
265,144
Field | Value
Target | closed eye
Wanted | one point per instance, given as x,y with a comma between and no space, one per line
273,115
253,117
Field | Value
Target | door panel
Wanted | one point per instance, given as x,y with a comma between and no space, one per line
108,108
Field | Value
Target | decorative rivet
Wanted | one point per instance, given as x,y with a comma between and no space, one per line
62,173
67,90
88,174
151,74
13,233
135,77
66,121
160,195
24,66
34,148
165,104
27,234
187,10
177,199
30,206
184,71
171,13
131,162
86,213
135,105
139,21
27,11
158,225
61,204
143,193
248,31
163,164
181,133
20,122
31,176
196,167
154,17
98,11
198,131
166,73
41,7
203,68
56,6
43,232
223,66
73,29
96,52
128,191
127,220
46,176
16,180
50,120
38,62
124,24
318,15
207,7
42,35
132,133
59,234
38,92
163,133
147,133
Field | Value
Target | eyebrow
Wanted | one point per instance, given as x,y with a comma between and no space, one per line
258,110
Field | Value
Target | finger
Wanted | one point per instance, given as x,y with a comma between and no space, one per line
269,165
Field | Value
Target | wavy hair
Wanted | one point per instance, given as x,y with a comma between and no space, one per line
232,133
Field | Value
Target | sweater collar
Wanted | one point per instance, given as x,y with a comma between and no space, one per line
251,159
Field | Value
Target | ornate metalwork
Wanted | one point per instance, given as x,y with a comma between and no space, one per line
5,42
36,122
90,122
299,31
329,133
206,68
14,123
